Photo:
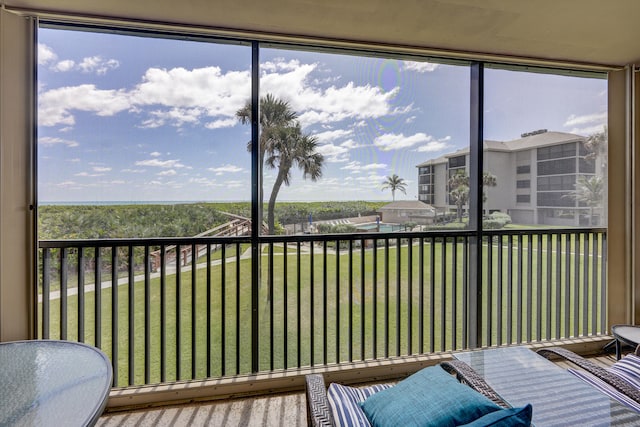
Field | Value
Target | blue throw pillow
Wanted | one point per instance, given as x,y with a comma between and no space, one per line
512,417
345,403
430,397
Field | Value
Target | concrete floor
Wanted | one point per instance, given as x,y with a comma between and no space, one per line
274,410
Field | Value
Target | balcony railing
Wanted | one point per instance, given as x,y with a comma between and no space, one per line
187,312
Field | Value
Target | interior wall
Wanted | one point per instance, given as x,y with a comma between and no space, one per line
16,219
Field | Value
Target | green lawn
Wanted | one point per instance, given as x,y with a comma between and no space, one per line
298,299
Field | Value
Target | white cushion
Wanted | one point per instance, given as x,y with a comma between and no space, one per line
606,388
345,403
628,368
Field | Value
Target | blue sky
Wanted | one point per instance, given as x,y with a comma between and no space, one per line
125,118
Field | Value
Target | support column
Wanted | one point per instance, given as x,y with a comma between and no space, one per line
16,191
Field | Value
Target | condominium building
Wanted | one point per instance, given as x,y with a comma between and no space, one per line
536,179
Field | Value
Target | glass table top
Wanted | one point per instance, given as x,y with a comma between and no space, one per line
521,376
52,383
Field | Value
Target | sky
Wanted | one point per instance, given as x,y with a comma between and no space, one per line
139,119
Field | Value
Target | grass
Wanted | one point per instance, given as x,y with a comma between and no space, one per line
410,316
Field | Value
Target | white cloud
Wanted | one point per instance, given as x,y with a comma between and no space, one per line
279,64
587,124
101,169
180,96
357,166
347,102
588,130
434,146
47,141
63,66
170,172
87,174
420,67
350,144
155,154
67,184
45,54
332,104
574,120
223,123
332,135
390,141
55,105
206,91
98,64
226,169
333,153
176,117
160,163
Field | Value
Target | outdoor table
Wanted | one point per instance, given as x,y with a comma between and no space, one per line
625,334
52,383
559,398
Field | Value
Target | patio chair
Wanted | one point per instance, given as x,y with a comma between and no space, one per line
319,411
620,381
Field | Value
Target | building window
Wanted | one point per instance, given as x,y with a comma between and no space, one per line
557,167
523,198
523,183
557,183
557,199
457,162
425,179
557,151
523,169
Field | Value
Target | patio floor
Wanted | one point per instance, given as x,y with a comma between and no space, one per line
273,410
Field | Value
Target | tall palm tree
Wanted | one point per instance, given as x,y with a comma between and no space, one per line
394,182
291,148
282,146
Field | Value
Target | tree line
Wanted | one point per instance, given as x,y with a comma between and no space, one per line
70,222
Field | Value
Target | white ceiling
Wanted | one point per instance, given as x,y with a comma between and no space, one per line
586,31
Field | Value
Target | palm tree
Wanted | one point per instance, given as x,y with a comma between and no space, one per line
394,182
596,144
589,190
291,148
459,189
282,146
274,113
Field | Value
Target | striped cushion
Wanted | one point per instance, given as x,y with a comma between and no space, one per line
605,388
345,403
628,368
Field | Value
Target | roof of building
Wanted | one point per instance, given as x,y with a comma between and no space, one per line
542,139
528,141
408,205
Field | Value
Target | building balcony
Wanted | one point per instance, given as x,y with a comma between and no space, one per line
195,324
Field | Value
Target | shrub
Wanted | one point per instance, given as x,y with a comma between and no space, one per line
500,216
